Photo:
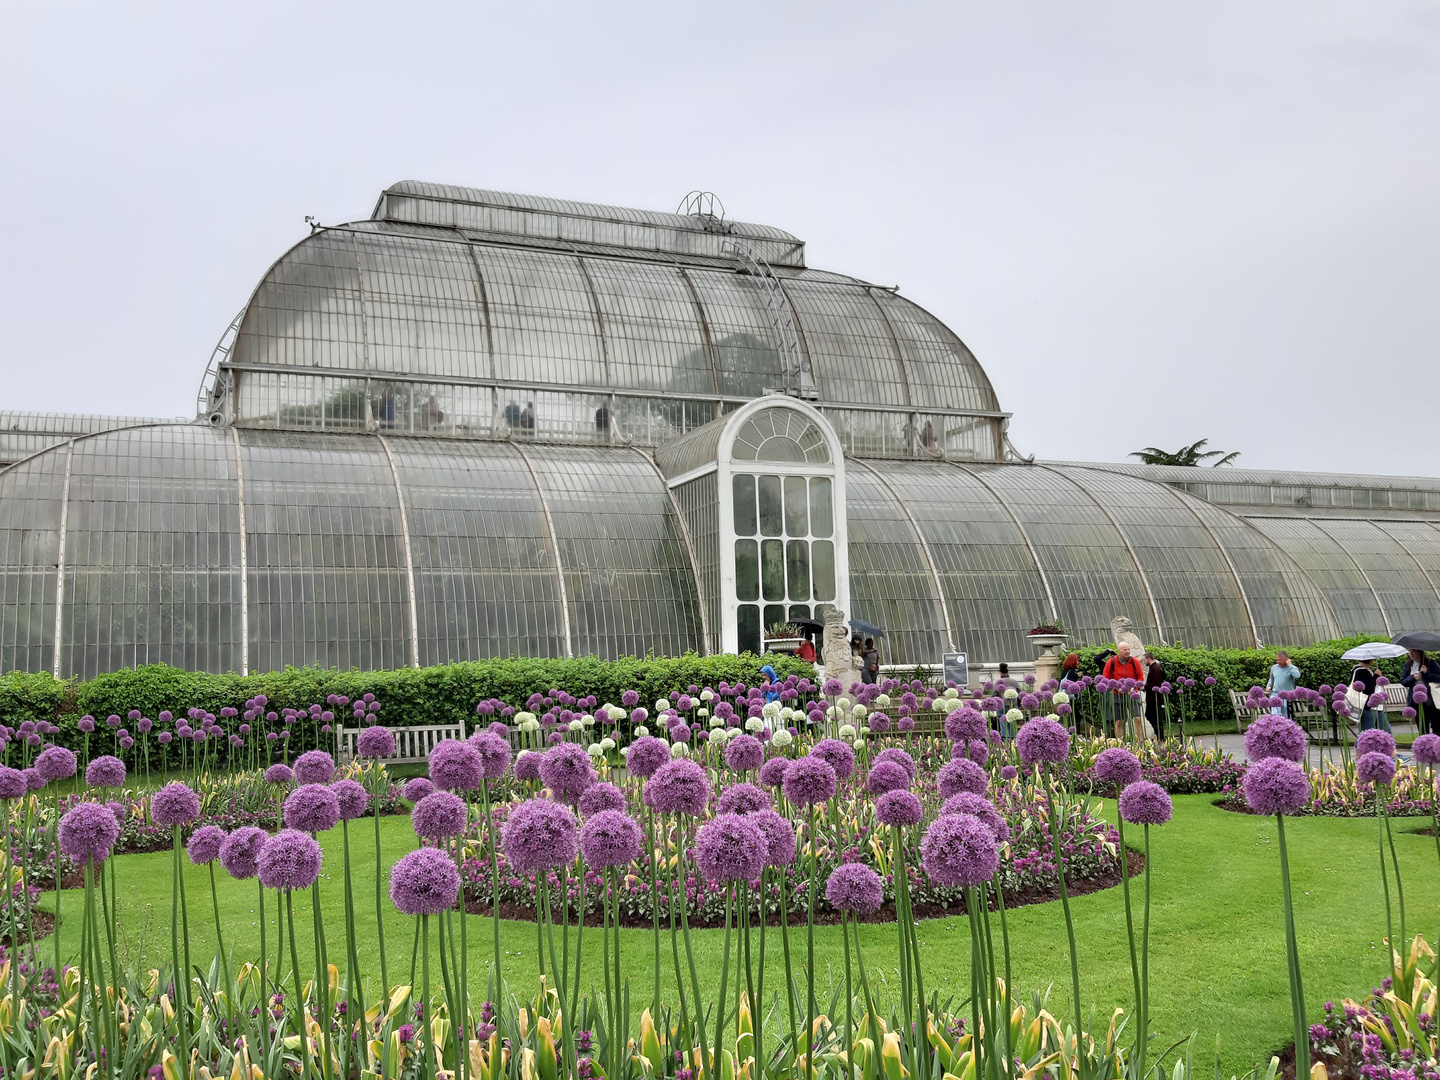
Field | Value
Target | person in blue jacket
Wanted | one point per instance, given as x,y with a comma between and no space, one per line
771,683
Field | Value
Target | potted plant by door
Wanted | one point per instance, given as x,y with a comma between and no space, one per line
1046,637
783,638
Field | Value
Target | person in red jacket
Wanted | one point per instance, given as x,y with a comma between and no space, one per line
1123,666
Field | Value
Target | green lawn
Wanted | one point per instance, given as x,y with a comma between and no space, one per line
1217,944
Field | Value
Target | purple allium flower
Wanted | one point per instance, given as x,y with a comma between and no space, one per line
838,755
240,851
680,732
810,780
539,835
416,789
730,847
977,806
55,763
779,837
1042,740
494,753
772,773
314,767
527,765
1375,741
424,882
12,783
174,804
33,780
375,742
164,738
610,838
279,774
1276,786
743,799
978,752
351,797
900,757
1008,772
744,753
966,723
855,888
438,816
887,776
204,845
106,771
1145,803
312,808
87,833
1426,751
630,698
456,766
86,724
600,797
962,775
289,860
959,851
647,754
898,809
1117,766
1275,736
1375,768
678,787
567,772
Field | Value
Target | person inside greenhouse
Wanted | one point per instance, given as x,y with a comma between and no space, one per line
1283,676
1154,700
1422,674
869,663
1363,679
1123,666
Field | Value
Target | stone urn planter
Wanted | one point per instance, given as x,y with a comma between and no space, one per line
1047,664
783,644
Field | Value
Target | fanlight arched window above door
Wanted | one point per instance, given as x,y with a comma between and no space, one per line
780,435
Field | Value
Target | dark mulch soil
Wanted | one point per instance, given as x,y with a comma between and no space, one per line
44,923
480,905
1334,1067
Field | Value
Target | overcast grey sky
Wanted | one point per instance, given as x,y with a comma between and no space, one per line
1151,222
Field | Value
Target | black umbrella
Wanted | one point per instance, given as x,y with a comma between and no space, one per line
808,624
1421,639
865,629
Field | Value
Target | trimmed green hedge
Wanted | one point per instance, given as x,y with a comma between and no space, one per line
1240,669
435,695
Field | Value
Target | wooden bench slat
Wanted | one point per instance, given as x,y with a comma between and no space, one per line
412,744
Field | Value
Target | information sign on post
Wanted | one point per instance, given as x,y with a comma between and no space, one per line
957,668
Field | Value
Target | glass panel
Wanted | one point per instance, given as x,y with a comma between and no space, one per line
822,567
797,569
747,570
820,523
774,615
780,434
799,611
770,515
748,618
744,489
797,506
772,568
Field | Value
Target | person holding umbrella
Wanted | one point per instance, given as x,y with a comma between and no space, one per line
1363,681
1420,675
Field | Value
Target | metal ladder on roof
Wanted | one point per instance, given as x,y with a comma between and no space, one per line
207,398
799,379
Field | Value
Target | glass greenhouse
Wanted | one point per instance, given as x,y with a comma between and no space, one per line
481,424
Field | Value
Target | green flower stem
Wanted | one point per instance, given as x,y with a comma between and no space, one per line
610,1015
679,976
872,1020
264,981
685,921
1069,926
1145,965
497,992
654,915
849,1000
1008,995
810,950
220,944
354,1002
462,1004
757,998
182,1008
1297,991
724,981
1395,864
299,988
789,969
322,979
59,875
379,892
756,1017
429,1060
1130,928
976,1042
1384,881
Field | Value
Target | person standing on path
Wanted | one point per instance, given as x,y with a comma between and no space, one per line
1283,676
870,663
1421,672
1363,679
1123,666
1154,700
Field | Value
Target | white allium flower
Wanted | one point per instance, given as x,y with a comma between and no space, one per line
641,731
859,744
707,695
702,712
1061,698
607,743
522,718
770,710
530,726
843,703
864,729
859,712
661,704
754,724
781,738
847,731
575,725
952,693
595,750
1015,716
587,720
883,701
1057,719
617,713
717,722
1011,693
678,750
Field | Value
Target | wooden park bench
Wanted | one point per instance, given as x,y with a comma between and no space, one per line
1315,719
412,744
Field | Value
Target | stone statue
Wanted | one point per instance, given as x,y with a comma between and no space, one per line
840,663
1122,629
